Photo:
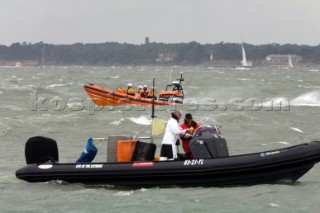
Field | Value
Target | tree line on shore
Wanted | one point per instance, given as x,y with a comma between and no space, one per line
113,53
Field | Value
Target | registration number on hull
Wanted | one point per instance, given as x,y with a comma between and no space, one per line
193,162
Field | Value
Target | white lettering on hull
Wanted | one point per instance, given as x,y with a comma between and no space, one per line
193,162
89,166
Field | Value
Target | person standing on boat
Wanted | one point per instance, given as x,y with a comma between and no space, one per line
171,135
130,90
188,123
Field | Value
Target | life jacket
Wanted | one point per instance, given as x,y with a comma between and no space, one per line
130,91
186,140
194,126
154,93
145,93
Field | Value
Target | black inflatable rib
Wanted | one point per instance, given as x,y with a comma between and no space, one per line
287,164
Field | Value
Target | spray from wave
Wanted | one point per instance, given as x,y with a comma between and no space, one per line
307,99
59,85
280,101
117,122
142,120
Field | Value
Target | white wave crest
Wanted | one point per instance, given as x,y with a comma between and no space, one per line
123,193
274,205
118,122
280,101
16,88
143,190
8,179
75,105
309,87
59,85
283,142
296,129
307,99
142,120
244,79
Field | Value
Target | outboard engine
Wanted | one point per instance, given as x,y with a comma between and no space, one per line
208,142
41,150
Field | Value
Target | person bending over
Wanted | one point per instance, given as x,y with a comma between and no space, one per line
188,123
171,135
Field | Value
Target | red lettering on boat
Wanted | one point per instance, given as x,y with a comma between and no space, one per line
140,164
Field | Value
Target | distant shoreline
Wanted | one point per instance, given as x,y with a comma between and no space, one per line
213,64
155,54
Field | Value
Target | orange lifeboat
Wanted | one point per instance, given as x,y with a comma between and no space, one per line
106,97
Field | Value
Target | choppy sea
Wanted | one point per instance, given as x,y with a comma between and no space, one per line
259,109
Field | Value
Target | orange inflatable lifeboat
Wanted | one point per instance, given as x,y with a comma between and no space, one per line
106,97
103,97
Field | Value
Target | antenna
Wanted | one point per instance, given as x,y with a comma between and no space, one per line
170,76
42,61
152,110
181,78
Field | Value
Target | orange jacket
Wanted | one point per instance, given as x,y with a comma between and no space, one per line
186,137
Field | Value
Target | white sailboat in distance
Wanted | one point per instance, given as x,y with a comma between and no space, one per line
245,64
290,65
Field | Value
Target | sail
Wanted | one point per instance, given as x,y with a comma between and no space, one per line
158,126
290,61
244,62
244,58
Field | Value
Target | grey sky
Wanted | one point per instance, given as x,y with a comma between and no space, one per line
168,21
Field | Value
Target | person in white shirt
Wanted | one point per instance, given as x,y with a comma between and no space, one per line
171,135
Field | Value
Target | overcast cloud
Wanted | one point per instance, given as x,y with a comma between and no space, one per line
168,21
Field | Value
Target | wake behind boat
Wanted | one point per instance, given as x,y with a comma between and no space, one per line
212,165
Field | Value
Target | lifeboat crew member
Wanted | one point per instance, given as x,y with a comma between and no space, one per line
145,93
139,89
188,123
130,90
171,135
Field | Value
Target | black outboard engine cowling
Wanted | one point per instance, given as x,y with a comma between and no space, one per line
41,150
208,142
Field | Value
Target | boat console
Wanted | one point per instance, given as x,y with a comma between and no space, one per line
207,143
